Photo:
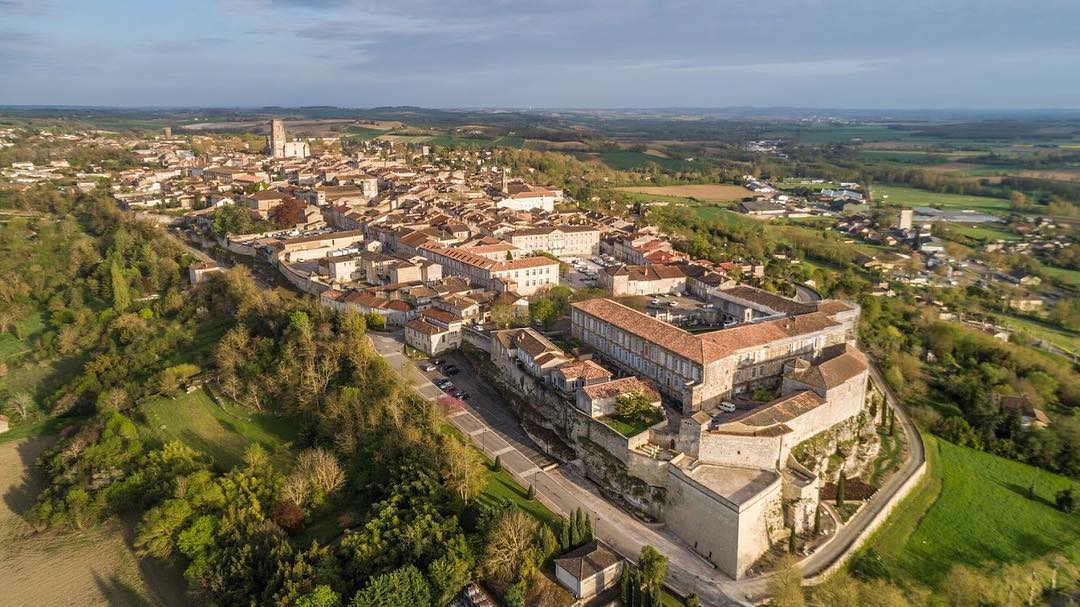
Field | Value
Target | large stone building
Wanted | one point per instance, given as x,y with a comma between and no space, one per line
698,370
579,241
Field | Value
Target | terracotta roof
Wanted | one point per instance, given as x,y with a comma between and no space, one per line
625,385
584,369
422,326
834,371
588,560
440,315
644,326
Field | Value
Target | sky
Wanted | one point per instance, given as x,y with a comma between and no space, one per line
873,54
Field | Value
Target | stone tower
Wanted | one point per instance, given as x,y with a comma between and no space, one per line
277,138
505,181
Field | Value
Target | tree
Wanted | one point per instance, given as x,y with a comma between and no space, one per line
463,473
587,534
289,213
785,584
232,219
157,532
496,466
817,520
511,543
404,587
633,406
691,600
627,591
321,596
375,321
793,542
531,495
652,566
548,543
121,295
1017,200
1065,500
963,587
287,515
892,423
564,535
840,482
21,403
838,590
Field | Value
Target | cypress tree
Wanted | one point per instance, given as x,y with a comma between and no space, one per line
588,534
497,465
840,489
627,589
792,542
576,529
531,495
892,423
817,520
654,597
564,535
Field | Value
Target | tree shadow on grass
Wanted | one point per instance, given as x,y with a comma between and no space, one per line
1025,492
117,592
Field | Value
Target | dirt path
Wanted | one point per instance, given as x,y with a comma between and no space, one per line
95,567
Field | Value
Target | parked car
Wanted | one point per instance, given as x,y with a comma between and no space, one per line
442,383
437,361
449,388
655,302
461,394
429,367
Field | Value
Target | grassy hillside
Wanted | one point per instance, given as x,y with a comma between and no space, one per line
221,432
972,508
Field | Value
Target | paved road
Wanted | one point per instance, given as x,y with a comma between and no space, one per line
487,419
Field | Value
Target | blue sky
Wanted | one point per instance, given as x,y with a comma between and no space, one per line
543,53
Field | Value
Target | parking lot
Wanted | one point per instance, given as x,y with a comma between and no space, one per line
584,273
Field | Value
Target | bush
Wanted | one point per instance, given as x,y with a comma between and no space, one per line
870,566
1065,500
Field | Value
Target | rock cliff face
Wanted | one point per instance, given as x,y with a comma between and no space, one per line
850,446
598,452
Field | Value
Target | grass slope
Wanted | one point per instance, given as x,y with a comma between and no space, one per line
972,508
221,432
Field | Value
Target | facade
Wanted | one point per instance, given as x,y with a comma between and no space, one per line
434,332
652,279
198,272
578,241
523,276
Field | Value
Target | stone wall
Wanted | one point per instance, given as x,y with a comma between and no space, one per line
763,452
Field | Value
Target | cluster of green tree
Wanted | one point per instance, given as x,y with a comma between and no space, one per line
99,280
963,372
642,585
236,219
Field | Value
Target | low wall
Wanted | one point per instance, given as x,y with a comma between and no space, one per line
300,281
476,338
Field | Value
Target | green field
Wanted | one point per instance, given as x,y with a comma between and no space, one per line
972,508
501,486
625,161
984,233
1062,338
913,197
1070,276
221,432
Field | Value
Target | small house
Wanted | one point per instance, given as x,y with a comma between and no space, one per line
589,570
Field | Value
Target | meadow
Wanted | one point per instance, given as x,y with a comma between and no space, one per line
223,432
626,161
973,508
914,197
714,192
